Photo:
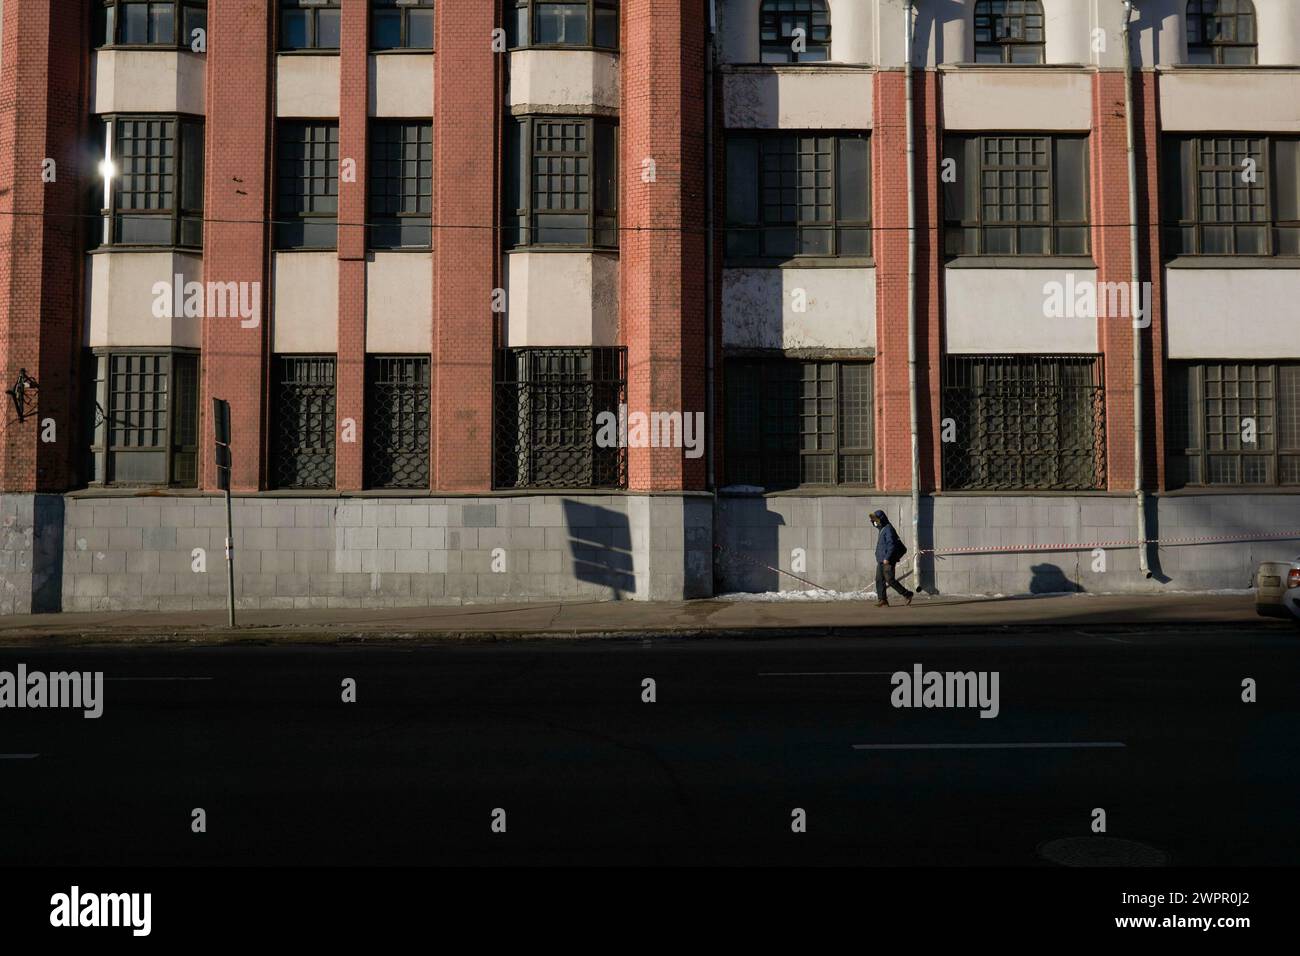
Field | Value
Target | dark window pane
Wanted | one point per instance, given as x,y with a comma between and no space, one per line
386,30
135,24
419,29
327,29
294,30
742,180
161,24
606,28
562,23
853,174
1071,184
195,18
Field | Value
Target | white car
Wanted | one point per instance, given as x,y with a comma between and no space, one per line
1277,591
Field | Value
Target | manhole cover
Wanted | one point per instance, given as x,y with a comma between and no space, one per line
1101,851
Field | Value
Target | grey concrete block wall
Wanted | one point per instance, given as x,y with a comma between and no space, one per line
86,552
31,560
167,553
838,542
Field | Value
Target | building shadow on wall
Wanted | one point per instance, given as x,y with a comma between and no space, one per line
748,549
47,554
600,542
926,573
930,18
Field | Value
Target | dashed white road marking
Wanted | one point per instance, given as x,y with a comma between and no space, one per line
1064,745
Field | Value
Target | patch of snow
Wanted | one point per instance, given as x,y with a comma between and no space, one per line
815,595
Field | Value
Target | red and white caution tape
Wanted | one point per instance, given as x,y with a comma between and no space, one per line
1121,543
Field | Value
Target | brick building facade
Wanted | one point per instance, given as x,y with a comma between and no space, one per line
426,250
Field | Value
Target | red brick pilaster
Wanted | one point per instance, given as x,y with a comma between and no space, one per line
351,371
889,211
1147,109
466,258
662,243
927,106
43,83
1110,248
237,206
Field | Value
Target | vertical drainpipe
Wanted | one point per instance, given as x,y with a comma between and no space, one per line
1135,296
909,14
710,60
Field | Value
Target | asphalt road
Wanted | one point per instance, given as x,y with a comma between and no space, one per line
555,733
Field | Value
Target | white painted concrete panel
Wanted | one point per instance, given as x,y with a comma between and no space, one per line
798,100
123,289
1232,313
399,302
147,81
306,86
1001,311
760,308
306,317
561,298
1017,99
1259,101
401,85
572,78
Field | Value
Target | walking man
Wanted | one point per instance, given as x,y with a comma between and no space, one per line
889,549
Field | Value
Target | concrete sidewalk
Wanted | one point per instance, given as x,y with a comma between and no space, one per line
706,618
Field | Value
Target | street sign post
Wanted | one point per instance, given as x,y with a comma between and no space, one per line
221,435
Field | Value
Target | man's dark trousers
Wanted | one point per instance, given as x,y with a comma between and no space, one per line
885,576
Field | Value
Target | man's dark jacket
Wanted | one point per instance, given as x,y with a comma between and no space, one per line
888,546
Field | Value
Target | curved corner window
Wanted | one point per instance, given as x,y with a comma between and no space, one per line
401,24
152,173
1009,31
159,23
1221,31
562,182
795,31
571,23
309,24
144,423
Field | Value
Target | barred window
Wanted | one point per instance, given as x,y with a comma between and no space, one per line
1232,196
1233,423
146,413
778,41
167,23
1221,31
547,405
1024,423
154,188
570,23
798,195
401,24
309,24
302,422
791,423
562,182
1016,195
1009,31
307,186
397,421
401,185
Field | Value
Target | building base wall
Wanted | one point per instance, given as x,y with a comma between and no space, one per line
167,553
838,542
94,553
31,544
